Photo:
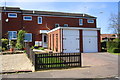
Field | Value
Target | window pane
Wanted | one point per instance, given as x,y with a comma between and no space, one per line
28,37
39,20
14,35
27,17
12,15
9,35
80,21
90,21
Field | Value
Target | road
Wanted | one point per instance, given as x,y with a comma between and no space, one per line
95,65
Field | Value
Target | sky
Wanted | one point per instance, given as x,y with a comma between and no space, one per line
101,10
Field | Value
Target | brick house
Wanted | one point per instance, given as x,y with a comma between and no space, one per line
39,23
107,37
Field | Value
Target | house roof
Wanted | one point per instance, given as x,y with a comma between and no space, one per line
47,12
109,35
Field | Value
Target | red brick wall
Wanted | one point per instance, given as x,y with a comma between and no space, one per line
99,42
52,40
81,40
33,27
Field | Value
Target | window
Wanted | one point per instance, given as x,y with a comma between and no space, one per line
65,25
39,20
29,18
12,35
12,15
90,21
80,21
28,37
57,25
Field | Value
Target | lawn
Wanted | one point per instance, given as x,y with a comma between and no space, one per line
51,62
116,53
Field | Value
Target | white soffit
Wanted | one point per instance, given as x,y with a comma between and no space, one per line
73,28
44,31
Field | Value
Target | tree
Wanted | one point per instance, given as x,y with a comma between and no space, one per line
20,39
114,24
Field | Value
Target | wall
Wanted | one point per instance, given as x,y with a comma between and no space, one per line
0,26
52,40
33,27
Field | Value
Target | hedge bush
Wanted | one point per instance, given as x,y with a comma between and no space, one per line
20,39
116,50
111,45
5,43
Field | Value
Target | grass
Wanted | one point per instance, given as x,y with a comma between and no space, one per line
116,53
50,60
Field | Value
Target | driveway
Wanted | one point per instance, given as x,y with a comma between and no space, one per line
16,62
95,65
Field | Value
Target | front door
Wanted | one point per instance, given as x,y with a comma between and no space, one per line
44,40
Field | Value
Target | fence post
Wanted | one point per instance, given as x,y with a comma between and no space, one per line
80,60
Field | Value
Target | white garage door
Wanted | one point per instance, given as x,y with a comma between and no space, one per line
90,42
71,41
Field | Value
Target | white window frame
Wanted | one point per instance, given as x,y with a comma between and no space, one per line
80,22
57,24
0,16
27,40
39,21
12,16
65,24
88,21
27,19
12,35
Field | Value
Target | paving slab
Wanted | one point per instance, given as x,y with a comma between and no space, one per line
16,62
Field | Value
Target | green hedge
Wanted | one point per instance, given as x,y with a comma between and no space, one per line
113,46
5,43
116,50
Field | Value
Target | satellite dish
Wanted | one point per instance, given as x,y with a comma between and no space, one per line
7,20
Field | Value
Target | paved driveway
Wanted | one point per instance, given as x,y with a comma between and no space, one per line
16,62
95,65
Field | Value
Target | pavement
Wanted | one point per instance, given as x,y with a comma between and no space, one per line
95,65
16,62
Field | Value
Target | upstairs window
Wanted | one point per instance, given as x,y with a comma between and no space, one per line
90,21
57,25
28,37
12,15
80,21
65,25
12,35
29,18
39,20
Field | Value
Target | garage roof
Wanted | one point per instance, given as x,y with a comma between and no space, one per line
73,28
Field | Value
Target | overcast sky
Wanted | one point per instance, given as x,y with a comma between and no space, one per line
101,10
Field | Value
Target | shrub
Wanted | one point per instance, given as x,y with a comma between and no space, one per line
116,50
111,45
41,48
20,39
5,43
116,40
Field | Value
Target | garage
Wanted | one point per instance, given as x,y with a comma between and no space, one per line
71,41
74,40
90,41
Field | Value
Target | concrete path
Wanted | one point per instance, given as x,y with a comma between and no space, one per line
95,65
16,62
